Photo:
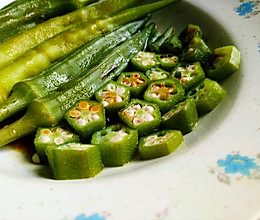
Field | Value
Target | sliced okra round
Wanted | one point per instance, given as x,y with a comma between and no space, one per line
207,95
167,61
172,45
113,96
189,74
156,74
52,136
183,117
197,51
117,143
165,93
86,117
74,161
144,61
159,144
141,115
135,81
189,32
226,60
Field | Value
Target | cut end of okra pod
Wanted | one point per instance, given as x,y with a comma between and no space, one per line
159,144
156,74
52,136
74,161
207,95
144,61
86,117
141,115
117,143
183,117
165,93
167,61
190,31
172,45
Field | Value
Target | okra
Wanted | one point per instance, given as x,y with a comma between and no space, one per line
225,62
156,74
189,32
23,42
49,51
182,117
172,45
113,96
189,75
50,136
117,143
74,161
135,81
144,61
141,115
207,95
66,69
165,93
156,45
167,61
154,36
86,117
49,110
159,144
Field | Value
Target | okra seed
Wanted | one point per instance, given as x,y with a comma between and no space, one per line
145,62
95,117
137,121
151,138
116,138
74,113
136,75
58,140
44,139
110,100
83,105
128,113
121,90
105,103
148,117
148,108
136,107
82,122
95,109
46,131
191,67
119,99
111,87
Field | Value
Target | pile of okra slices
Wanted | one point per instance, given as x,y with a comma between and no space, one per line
145,112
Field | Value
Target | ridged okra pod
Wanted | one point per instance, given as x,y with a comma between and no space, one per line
66,69
23,42
50,110
49,51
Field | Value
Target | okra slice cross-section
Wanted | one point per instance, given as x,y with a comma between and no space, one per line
159,144
74,161
189,74
144,61
117,143
167,61
135,81
51,136
165,93
183,117
86,117
141,115
156,74
113,96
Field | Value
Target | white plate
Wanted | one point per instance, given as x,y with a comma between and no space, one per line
215,175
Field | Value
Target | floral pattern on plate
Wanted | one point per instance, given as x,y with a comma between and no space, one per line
247,8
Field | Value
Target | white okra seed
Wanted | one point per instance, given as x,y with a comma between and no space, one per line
82,122
44,139
95,117
119,99
58,141
148,108
111,87
137,121
148,117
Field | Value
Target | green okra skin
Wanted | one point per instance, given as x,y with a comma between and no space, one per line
196,51
66,69
189,32
172,45
156,74
207,95
52,136
141,115
74,161
49,110
167,61
154,36
117,143
144,61
189,74
156,45
182,117
159,144
85,118
137,82
225,61
49,51
165,93
113,96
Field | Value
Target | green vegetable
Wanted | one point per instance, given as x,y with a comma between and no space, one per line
135,81
23,42
50,136
74,161
159,144
144,61
154,36
66,69
156,74
226,61
117,144
167,61
172,45
183,117
165,93
86,117
50,110
43,55
190,32
141,115
207,95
